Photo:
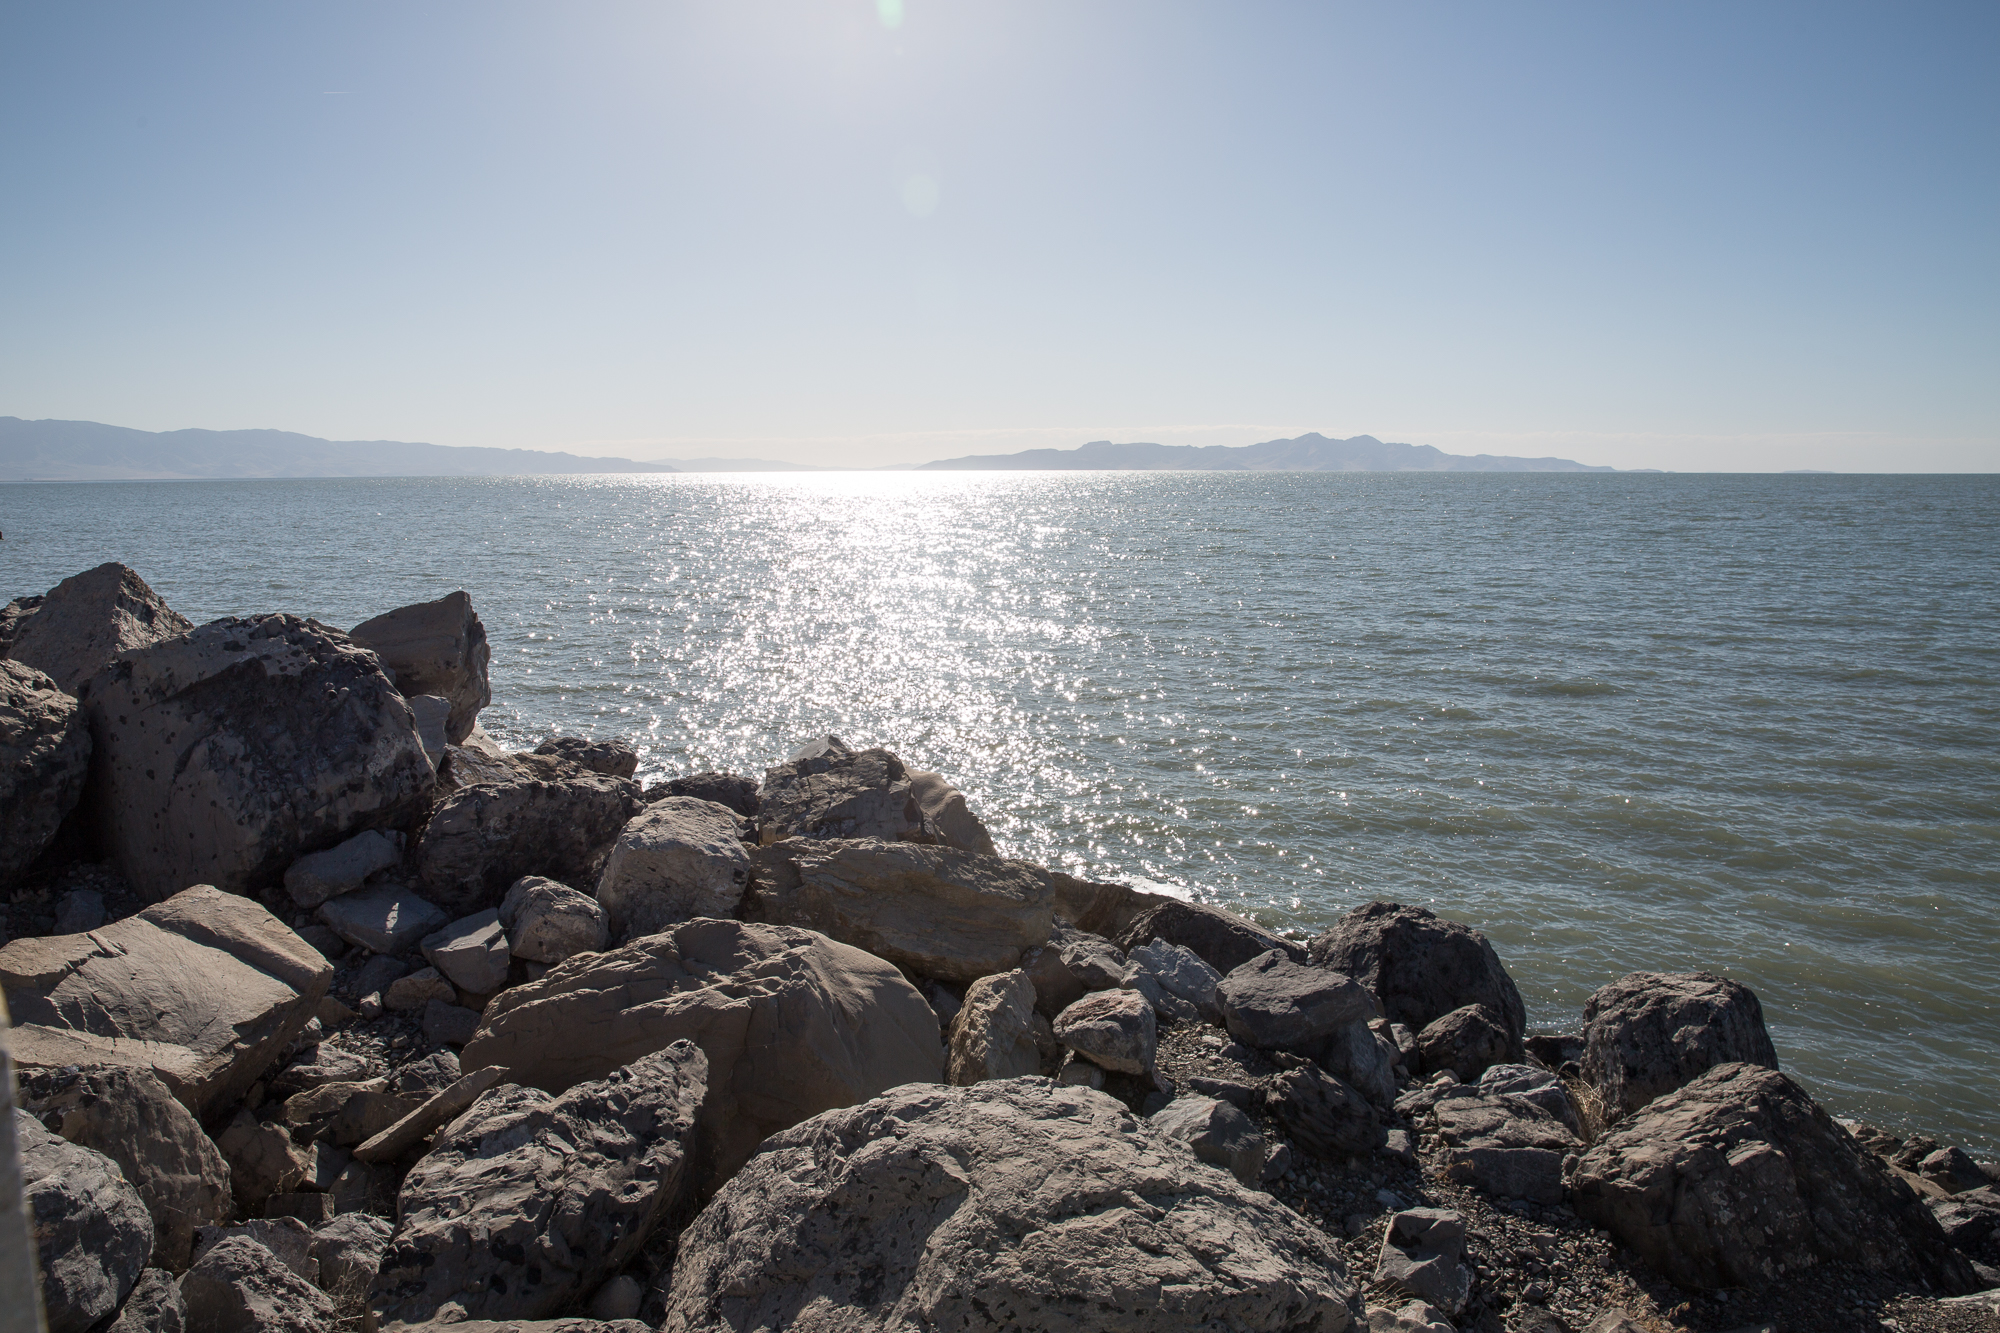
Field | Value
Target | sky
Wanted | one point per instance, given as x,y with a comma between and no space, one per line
1688,236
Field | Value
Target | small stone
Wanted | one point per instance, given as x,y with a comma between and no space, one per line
617,1299
471,952
314,878
417,990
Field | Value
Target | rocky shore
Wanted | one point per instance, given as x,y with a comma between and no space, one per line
330,1013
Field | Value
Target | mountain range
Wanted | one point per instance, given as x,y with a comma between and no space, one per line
89,451
1308,453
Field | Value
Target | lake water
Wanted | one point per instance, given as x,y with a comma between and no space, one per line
1618,722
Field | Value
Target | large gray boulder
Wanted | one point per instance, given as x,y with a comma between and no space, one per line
435,648
829,791
1651,1032
1182,973
1419,965
677,859
994,1033
224,755
549,818
1468,1041
1739,1179
547,922
1221,939
206,989
240,1286
127,1114
44,758
91,1230
87,620
1275,1004
792,1023
940,912
1018,1204
528,1201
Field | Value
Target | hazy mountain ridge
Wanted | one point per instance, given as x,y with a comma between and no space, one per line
1311,452
90,451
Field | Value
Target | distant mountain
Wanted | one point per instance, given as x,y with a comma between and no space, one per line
87,451
1308,453
742,465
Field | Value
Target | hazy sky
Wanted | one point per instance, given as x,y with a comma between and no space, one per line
1677,235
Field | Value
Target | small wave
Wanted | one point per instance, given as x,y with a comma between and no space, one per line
1576,689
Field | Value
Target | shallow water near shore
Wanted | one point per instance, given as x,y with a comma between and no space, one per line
1618,722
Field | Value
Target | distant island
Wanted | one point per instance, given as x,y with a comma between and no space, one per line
1308,453
90,451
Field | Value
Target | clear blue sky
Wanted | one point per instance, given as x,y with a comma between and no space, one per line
1681,235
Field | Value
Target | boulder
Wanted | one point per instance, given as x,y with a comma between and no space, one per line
44,758
738,793
612,758
1182,973
552,818
1016,1203
91,1230
1275,1004
347,1113
792,1023
435,648
825,789
1358,1056
1534,1085
994,1033
155,1306
286,1237
225,754
1114,1029
128,1115
1467,1041
348,1250
240,1286
1739,1178
678,859
1221,939
206,989
1419,965
953,915
547,922
1423,1255
318,876
87,620
528,1201
406,994
1322,1114
1651,1032
1505,1146
263,1160
1101,909
618,1299
420,1078
1971,1222
1217,1133
946,812
450,1024
471,952
12,617
384,918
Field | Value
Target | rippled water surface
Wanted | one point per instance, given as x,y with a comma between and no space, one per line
1619,722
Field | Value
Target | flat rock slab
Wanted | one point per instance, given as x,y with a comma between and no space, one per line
225,754
940,912
384,918
792,1023
1016,1203
318,876
1273,1003
529,1201
472,952
205,989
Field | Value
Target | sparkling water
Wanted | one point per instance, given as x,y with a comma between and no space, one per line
1618,722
